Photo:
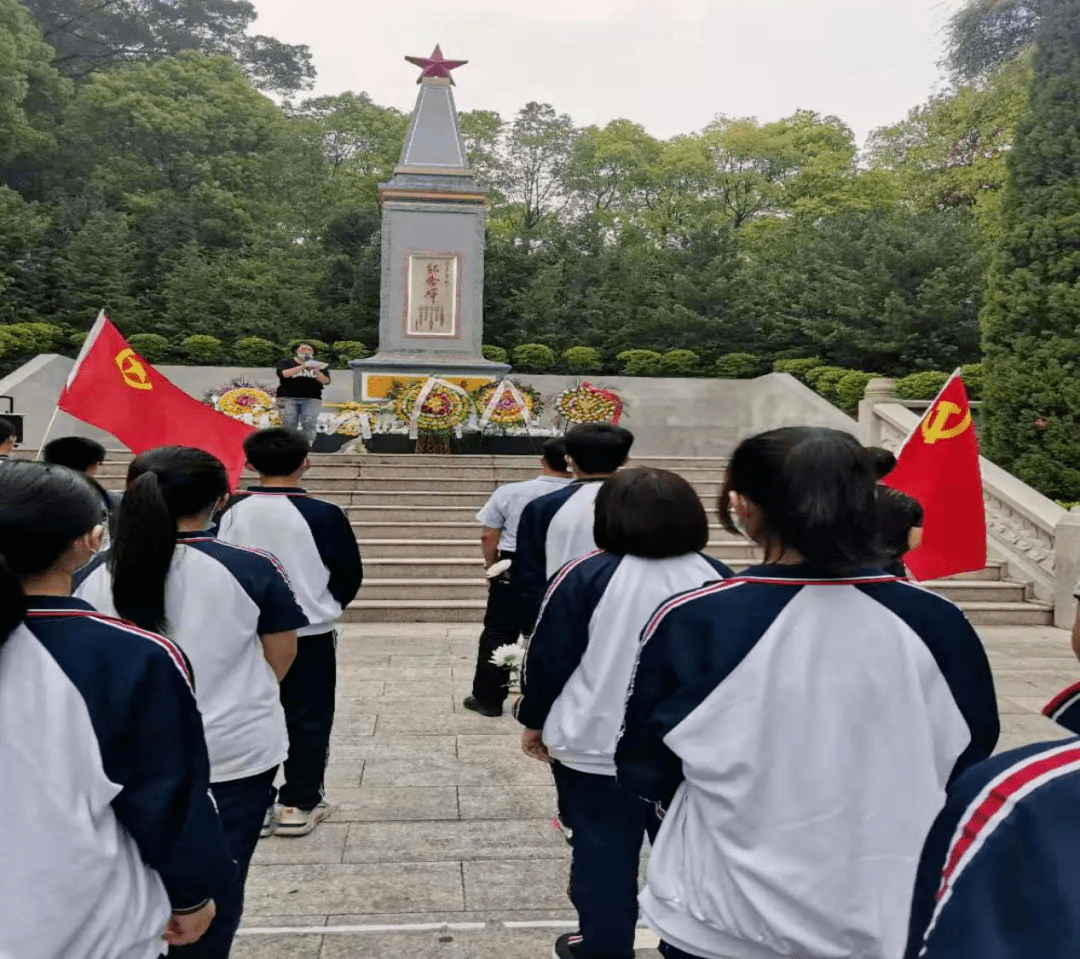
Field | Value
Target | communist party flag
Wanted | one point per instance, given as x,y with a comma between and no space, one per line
116,390
939,466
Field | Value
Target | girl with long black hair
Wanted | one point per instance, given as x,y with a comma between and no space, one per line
800,722
233,613
109,843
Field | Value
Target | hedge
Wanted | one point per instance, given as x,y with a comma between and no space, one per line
582,359
495,354
346,350
850,389
200,349
639,362
738,366
798,368
256,351
921,386
534,358
680,363
152,347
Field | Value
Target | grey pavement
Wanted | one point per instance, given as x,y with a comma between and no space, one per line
440,844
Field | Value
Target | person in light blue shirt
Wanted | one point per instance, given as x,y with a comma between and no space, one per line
498,540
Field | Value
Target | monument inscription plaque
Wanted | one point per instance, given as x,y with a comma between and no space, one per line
432,294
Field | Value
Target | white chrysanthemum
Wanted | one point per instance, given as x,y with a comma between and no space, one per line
509,656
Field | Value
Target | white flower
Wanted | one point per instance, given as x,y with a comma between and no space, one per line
509,656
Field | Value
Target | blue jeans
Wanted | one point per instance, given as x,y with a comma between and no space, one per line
608,826
300,413
242,804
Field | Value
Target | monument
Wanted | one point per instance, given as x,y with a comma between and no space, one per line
433,216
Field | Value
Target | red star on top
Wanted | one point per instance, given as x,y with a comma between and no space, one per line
435,65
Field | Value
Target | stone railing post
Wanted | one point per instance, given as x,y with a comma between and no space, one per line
1066,568
881,390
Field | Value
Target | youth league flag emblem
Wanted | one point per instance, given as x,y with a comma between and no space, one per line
116,390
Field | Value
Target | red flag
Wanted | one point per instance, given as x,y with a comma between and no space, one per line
939,466
116,390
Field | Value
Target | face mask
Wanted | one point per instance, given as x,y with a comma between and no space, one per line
103,545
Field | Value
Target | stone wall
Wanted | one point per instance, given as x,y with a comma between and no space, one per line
669,417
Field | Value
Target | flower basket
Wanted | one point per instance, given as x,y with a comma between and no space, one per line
507,404
249,402
589,404
430,406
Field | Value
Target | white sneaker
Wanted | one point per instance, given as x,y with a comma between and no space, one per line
268,822
291,821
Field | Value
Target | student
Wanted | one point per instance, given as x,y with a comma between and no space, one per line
557,528
498,540
999,877
651,528
800,722
232,612
315,544
110,845
7,439
84,456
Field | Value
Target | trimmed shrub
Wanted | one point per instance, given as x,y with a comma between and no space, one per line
827,381
201,350
582,359
152,347
346,350
973,379
798,368
495,354
921,386
850,389
255,351
534,358
738,366
76,340
680,363
29,339
639,362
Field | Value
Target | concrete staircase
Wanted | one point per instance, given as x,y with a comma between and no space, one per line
413,517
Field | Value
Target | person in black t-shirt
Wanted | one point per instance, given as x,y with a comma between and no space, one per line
300,385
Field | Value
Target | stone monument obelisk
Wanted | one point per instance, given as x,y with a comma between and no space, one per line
433,214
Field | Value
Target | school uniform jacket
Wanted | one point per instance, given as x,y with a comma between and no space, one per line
312,540
582,653
1000,875
801,732
553,530
219,600
108,823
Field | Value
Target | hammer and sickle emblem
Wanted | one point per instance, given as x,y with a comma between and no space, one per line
133,372
933,426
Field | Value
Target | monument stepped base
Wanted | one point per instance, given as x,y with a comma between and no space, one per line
413,517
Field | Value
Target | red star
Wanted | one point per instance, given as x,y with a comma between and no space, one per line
435,65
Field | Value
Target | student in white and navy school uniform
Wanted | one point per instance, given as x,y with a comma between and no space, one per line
110,845
800,722
498,540
651,528
557,528
315,543
233,613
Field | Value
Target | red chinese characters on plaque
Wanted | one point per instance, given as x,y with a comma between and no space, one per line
431,295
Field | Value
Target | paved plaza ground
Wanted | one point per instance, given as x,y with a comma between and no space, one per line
440,845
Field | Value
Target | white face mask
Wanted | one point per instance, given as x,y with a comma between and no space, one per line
102,547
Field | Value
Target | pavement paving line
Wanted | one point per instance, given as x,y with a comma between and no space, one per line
351,930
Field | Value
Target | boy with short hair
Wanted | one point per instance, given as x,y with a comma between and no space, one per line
314,542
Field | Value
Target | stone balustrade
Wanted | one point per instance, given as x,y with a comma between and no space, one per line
1037,540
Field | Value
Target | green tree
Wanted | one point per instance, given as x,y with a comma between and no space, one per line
738,366
582,359
537,152
640,363
983,34
496,354
346,350
90,35
96,271
256,351
201,349
534,358
680,363
1031,319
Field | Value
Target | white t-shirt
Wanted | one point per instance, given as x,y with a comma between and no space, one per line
219,600
503,511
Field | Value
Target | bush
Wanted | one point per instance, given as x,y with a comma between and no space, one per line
201,349
973,379
680,363
76,340
639,362
827,378
255,351
349,350
921,386
152,347
582,359
738,366
850,389
495,354
534,358
29,339
798,368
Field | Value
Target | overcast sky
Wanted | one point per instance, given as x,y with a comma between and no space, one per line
670,65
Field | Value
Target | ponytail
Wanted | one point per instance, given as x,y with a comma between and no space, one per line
815,489
142,553
164,485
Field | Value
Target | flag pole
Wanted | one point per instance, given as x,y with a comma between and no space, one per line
87,343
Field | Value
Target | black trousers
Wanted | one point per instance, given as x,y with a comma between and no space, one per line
608,826
241,805
307,696
500,628
668,951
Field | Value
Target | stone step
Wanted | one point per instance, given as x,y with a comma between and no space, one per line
423,529
398,546
420,513
410,496
978,591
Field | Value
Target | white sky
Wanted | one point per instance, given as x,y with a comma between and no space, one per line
670,65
